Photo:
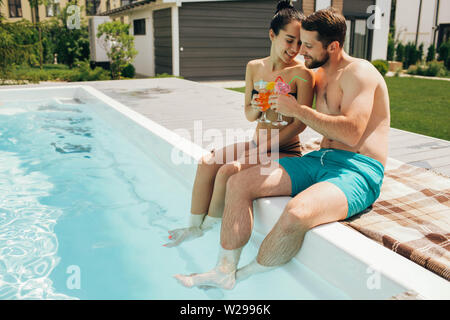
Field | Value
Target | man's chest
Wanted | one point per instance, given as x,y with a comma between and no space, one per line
328,95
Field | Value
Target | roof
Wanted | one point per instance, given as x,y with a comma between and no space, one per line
126,7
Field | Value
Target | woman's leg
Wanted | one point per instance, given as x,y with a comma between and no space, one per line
202,190
217,201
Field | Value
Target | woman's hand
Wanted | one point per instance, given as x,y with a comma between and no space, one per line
180,235
285,104
255,103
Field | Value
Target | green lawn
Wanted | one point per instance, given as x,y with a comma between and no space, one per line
418,105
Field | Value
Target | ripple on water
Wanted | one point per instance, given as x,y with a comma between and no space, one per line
28,245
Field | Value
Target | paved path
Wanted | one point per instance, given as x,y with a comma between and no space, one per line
183,104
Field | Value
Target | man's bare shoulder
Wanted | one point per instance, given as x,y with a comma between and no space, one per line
359,71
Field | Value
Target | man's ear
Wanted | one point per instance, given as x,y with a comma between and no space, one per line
333,47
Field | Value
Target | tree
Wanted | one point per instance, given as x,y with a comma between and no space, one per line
34,5
119,45
1,16
431,53
71,44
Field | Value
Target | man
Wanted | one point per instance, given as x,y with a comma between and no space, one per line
340,180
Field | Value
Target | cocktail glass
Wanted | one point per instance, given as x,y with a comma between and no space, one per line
263,98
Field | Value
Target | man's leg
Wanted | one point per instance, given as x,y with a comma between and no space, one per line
321,203
242,189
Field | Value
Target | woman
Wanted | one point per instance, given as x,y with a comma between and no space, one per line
213,170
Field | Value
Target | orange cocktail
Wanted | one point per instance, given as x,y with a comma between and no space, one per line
263,98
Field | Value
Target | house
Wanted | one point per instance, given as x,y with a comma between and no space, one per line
15,10
422,22
215,39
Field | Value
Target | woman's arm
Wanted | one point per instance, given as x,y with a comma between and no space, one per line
250,112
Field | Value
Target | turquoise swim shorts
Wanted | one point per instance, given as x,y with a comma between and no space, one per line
358,176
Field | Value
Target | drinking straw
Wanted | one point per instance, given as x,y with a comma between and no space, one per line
297,78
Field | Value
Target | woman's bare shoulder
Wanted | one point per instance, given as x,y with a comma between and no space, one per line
302,71
257,63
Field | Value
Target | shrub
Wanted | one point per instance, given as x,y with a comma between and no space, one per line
129,71
412,70
411,55
431,69
119,45
443,51
382,66
391,48
400,52
431,53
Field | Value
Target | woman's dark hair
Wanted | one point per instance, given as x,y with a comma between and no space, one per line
329,24
284,15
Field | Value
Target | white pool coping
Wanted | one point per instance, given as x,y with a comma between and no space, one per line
359,266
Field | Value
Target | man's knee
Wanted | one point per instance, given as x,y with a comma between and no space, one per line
296,216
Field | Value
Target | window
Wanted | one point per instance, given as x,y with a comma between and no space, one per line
52,8
139,27
322,4
92,7
108,5
15,8
358,38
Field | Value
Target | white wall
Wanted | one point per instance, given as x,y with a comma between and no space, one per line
406,17
381,31
144,62
444,12
96,45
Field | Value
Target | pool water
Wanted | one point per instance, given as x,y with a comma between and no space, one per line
84,212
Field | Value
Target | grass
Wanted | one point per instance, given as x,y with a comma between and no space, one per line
418,105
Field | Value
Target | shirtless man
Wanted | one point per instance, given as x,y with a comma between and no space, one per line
340,180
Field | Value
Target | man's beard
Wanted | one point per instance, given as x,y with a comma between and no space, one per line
318,63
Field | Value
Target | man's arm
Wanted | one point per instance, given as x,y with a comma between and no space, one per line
305,96
358,84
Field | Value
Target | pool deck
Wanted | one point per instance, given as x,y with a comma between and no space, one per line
182,104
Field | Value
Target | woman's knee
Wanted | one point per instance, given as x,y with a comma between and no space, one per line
208,165
228,170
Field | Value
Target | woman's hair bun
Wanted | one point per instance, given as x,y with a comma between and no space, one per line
284,4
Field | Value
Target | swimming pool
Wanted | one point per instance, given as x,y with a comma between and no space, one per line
86,209
88,194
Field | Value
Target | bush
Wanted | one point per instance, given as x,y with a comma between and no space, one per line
391,48
382,66
411,55
431,69
85,73
431,53
82,72
129,71
400,52
444,50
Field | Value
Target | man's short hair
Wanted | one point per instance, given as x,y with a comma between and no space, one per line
329,24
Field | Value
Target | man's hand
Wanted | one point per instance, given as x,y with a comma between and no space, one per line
286,105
